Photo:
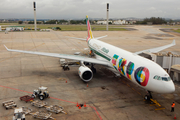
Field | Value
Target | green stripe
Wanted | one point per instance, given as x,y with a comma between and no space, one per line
98,53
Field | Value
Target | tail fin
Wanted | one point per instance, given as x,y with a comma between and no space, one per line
89,32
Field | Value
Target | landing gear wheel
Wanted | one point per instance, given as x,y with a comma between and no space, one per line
41,97
147,98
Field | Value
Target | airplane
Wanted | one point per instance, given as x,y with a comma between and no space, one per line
139,70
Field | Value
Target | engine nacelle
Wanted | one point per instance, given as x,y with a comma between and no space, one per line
85,73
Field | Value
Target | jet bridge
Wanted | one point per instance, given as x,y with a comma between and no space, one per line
168,61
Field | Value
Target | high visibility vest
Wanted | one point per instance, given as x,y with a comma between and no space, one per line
173,105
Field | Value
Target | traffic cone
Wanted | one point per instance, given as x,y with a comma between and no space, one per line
66,81
84,104
87,85
174,116
77,105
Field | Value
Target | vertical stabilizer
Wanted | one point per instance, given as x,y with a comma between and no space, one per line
89,32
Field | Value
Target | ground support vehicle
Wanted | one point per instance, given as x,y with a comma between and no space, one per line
42,93
26,98
9,104
38,103
56,109
18,114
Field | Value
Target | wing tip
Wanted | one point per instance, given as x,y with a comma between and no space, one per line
6,47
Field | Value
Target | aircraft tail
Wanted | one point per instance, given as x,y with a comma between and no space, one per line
89,31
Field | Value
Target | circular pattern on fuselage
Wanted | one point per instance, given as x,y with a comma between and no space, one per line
142,75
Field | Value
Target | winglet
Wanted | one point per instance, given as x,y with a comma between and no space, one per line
6,48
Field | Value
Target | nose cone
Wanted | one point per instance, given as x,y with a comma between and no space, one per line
169,87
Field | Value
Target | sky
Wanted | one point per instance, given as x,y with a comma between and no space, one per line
78,9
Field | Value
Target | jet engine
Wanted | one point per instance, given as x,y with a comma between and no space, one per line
85,73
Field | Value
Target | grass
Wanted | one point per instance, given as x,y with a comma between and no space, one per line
73,27
178,30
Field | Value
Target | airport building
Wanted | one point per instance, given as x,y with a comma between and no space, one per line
120,22
102,22
15,28
175,72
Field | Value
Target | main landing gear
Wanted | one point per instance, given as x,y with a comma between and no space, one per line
148,97
93,69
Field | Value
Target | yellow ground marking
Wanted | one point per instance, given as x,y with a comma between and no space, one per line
20,53
128,85
159,108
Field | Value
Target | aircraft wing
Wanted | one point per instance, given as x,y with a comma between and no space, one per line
66,56
157,49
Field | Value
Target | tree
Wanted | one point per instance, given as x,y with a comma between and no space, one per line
20,22
58,28
154,20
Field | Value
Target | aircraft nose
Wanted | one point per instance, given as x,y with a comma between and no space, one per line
169,86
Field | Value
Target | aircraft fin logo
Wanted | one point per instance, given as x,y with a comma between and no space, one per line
89,32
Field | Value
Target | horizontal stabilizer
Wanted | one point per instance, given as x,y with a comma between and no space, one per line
101,37
77,38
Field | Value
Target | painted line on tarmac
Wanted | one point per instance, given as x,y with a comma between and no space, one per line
53,98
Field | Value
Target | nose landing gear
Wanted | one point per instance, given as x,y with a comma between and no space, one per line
148,97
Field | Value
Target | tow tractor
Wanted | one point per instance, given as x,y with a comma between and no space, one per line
42,93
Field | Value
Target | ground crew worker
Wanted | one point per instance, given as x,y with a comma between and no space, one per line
172,107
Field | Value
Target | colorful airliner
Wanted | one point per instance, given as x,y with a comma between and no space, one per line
141,71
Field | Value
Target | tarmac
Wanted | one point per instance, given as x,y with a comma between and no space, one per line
106,97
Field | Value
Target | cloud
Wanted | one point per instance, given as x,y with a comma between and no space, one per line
62,9
152,8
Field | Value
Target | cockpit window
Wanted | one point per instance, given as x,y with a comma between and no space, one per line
159,78
162,78
156,77
169,78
